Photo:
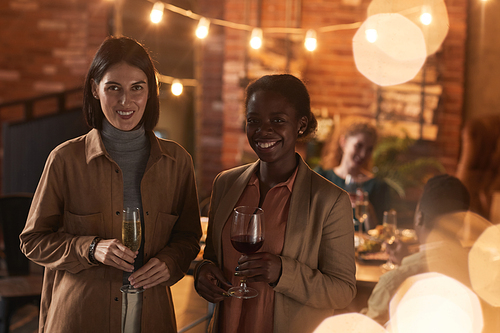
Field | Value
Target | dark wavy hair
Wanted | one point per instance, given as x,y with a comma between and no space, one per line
111,52
295,92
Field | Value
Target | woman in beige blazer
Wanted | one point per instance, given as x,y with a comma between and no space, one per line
314,271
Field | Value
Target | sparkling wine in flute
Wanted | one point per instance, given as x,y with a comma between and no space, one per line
132,235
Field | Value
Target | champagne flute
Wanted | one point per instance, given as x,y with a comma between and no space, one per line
131,231
390,233
247,236
361,210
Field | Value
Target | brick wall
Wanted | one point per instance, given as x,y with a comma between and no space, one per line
47,46
331,76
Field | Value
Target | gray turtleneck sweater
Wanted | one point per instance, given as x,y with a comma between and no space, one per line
130,150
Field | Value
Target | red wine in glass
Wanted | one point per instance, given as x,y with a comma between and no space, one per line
245,244
247,236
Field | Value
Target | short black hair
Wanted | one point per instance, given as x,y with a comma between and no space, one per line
293,90
443,194
112,51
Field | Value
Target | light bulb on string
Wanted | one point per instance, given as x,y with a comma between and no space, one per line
157,12
256,38
426,16
310,42
177,87
371,35
202,29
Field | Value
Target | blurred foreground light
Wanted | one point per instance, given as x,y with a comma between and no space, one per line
432,303
157,12
256,38
177,87
430,16
202,29
484,265
371,35
310,42
396,54
349,322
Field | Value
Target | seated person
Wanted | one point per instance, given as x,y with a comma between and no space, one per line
348,157
440,250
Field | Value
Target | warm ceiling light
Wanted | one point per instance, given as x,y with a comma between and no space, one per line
202,30
256,38
157,12
311,42
177,87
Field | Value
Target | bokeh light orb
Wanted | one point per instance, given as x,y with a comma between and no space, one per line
484,265
434,26
432,303
389,49
349,322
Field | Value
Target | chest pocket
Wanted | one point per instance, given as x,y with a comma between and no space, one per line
162,231
83,225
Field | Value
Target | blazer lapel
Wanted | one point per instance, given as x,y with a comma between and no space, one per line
299,212
229,200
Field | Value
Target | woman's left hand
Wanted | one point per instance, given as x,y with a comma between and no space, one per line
150,275
259,267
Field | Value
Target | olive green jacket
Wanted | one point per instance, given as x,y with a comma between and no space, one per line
318,264
79,197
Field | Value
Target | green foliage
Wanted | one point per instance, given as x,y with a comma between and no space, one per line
393,163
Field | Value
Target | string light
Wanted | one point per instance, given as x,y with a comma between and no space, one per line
202,29
426,17
371,35
311,42
177,87
256,38
157,12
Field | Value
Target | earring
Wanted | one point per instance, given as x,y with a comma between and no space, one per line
301,132
96,97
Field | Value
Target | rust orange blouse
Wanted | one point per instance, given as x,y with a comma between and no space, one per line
255,314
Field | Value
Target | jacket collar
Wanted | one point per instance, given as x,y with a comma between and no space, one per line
94,147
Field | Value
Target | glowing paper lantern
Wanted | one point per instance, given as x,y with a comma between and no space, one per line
349,322
430,16
389,49
484,265
433,303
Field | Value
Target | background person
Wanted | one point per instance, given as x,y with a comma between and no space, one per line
306,267
350,153
75,221
440,249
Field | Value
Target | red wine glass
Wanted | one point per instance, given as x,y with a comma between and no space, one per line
247,236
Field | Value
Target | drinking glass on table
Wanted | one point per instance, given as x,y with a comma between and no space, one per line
390,233
247,236
131,231
361,209
351,186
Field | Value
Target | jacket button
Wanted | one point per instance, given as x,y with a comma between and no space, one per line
147,213
116,170
116,299
117,213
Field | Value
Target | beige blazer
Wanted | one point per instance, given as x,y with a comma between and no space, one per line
318,267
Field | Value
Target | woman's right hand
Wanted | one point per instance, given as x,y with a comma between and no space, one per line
209,277
113,253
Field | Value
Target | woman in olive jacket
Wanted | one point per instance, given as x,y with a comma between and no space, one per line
75,221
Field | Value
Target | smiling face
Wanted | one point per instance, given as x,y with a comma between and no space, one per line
123,94
273,126
357,149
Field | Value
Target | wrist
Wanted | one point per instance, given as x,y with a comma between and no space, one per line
92,248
